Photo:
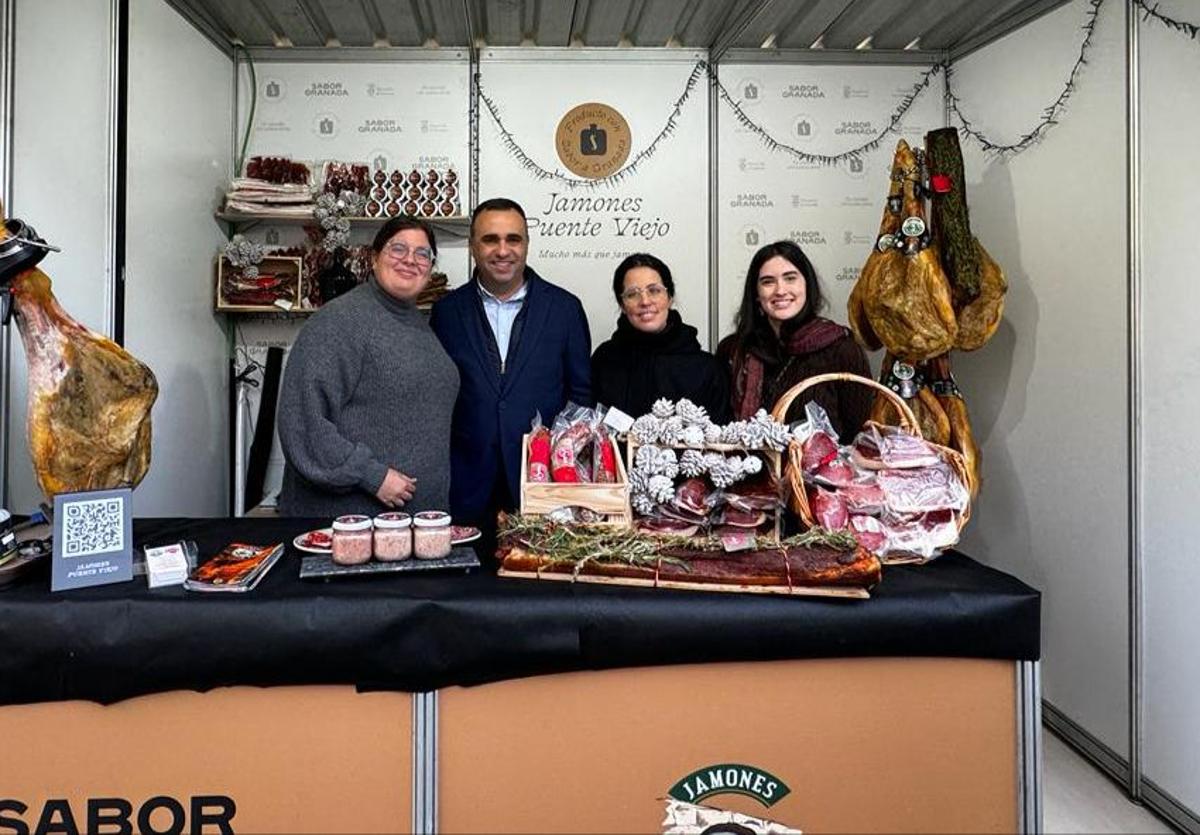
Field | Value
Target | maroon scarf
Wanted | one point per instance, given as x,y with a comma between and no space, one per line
749,370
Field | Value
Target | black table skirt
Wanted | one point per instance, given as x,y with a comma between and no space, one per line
419,633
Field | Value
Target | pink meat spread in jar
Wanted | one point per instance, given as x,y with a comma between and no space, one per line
351,540
431,535
393,536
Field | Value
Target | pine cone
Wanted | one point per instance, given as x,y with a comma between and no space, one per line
712,433
751,465
691,463
692,436
642,503
663,408
691,413
646,459
672,430
661,488
646,429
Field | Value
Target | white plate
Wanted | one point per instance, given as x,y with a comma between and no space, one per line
471,537
300,545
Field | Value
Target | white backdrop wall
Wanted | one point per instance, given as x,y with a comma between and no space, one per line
1170,168
409,111
180,86
832,212
667,198
1048,394
60,181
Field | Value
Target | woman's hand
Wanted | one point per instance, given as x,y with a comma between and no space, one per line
397,488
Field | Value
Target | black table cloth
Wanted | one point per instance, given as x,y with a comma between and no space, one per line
418,633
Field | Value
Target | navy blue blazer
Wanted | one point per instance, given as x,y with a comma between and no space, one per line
548,364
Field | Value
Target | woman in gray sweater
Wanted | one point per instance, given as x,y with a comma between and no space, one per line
368,393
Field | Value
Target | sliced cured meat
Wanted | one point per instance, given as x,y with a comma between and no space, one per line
925,535
869,533
916,491
818,450
835,473
673,527
879,447
680,515
691,496
829,509
863,498
741,518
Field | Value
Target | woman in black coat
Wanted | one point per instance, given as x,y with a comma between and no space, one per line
652,353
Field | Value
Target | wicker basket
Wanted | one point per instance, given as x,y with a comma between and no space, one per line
794,473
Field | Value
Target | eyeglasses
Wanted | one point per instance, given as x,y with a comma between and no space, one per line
398,252
652,292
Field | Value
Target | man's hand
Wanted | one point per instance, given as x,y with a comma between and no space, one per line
397,488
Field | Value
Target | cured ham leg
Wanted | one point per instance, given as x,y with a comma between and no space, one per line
908,304
89,398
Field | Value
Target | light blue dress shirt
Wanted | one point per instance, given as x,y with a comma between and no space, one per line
500,315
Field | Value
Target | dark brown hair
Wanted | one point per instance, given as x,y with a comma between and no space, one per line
642,259
399,224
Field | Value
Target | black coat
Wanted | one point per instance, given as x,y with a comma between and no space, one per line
633,369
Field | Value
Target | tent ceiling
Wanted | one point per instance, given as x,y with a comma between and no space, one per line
926,25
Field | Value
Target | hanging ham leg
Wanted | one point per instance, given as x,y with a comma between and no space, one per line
89,399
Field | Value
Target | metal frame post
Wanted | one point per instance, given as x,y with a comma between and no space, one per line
1134,358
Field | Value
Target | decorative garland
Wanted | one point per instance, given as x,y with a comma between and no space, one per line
702,68
1049,115
541,173
829,159
1189,29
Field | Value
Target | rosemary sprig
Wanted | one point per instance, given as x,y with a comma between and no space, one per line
583,544
838,540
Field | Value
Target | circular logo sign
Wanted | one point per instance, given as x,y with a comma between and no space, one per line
593,140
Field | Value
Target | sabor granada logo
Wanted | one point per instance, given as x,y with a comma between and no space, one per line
593,140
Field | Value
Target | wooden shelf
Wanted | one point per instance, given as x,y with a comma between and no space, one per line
240,217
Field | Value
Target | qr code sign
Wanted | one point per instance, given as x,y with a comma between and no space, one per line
94,526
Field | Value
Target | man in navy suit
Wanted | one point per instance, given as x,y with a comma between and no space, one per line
522,348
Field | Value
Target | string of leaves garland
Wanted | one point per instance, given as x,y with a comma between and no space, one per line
1189,29
1050,115
701,69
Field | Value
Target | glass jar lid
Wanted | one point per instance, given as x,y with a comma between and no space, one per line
432,519
352,523
393,519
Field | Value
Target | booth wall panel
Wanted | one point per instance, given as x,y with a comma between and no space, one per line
1170,168
832,212
1048,394
404,114
60,178
179,152
671,187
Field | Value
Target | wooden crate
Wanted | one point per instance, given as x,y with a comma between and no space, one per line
774,461
611,500
287,294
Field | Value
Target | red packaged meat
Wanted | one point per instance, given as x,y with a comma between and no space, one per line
818,450
880,447
869,533
539,455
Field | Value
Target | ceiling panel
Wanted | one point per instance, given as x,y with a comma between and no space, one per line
785,24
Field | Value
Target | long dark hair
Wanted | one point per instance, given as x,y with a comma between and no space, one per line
642,259
751,330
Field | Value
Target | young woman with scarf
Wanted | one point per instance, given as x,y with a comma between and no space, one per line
779,340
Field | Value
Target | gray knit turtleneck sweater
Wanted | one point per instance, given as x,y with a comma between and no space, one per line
367,387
